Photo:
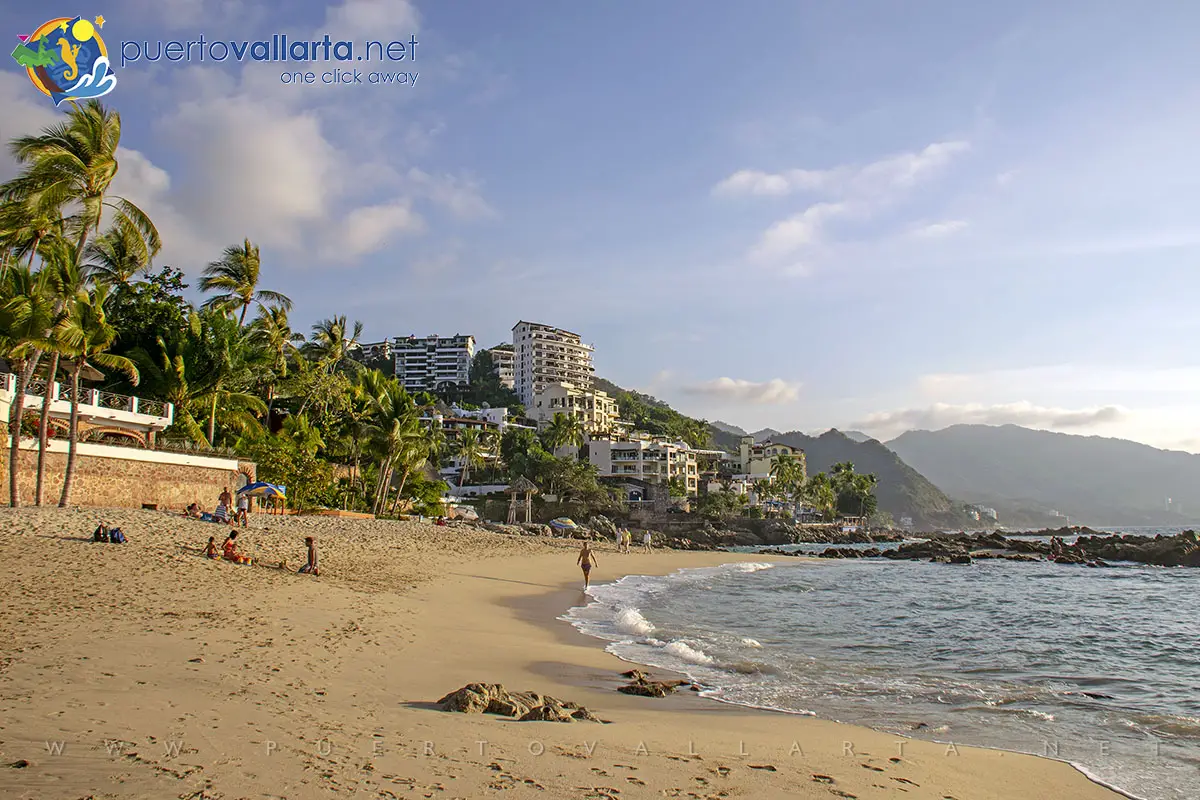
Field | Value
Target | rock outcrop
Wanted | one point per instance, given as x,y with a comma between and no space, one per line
640,684
493,698
1181,550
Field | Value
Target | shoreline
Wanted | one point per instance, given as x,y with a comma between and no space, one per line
686,709
701,699
145,671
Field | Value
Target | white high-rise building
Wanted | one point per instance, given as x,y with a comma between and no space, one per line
433,362
544,355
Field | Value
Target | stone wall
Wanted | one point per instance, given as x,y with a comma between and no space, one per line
120,482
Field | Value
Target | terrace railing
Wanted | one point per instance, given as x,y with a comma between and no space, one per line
38,389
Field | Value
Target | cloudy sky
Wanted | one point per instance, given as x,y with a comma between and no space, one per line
799,215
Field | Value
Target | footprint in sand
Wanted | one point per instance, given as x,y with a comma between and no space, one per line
637,781
905,780
822,779
868,766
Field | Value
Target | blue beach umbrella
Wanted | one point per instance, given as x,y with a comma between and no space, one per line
263,489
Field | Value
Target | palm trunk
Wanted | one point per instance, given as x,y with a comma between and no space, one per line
72,436
400,489
44,429
14,428
385,468
212,421
242,319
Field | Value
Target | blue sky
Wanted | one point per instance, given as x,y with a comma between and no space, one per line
797,215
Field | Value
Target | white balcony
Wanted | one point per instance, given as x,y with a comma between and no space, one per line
97,409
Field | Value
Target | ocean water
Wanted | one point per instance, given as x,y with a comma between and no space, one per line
1100,668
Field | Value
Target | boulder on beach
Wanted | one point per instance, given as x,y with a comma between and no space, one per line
640,684
493,698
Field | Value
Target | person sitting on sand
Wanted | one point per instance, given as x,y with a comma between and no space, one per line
586,560
311,567
231,550
211,550
194,511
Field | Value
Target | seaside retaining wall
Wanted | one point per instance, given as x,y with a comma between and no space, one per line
107,476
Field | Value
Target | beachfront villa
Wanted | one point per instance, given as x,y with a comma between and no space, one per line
433,362
646,458
120,460
755,460
545,355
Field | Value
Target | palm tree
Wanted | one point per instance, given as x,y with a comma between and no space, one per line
564,430
330,347
819,492
26,318
72,165
22,229
67,283
469,449
303,434
395,428
117,256
236,275
272,332
88,335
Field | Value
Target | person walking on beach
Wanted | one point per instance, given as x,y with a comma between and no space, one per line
646,541
586,560
626,540
243,510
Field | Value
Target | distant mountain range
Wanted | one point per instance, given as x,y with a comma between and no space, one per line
1032,478
1093,480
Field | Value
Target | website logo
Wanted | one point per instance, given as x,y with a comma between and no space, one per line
66,59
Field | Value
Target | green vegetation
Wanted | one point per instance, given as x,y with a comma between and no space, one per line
336,432
656,417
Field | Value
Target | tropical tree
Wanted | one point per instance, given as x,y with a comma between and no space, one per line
787,475
272,332
563,430
819,493
117,256
26,319
330,346
395,428
470,450
67,283
22,229
236,277
87,334
71,166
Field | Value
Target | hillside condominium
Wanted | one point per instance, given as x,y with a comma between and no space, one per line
544,355
433,362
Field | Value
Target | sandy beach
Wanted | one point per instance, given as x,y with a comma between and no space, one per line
146,671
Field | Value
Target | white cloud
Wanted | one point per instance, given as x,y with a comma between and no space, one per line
772,392
1061,379
371,228
25,111
366,19
887,174
942,415
849,191
797,231
938,230
459,196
